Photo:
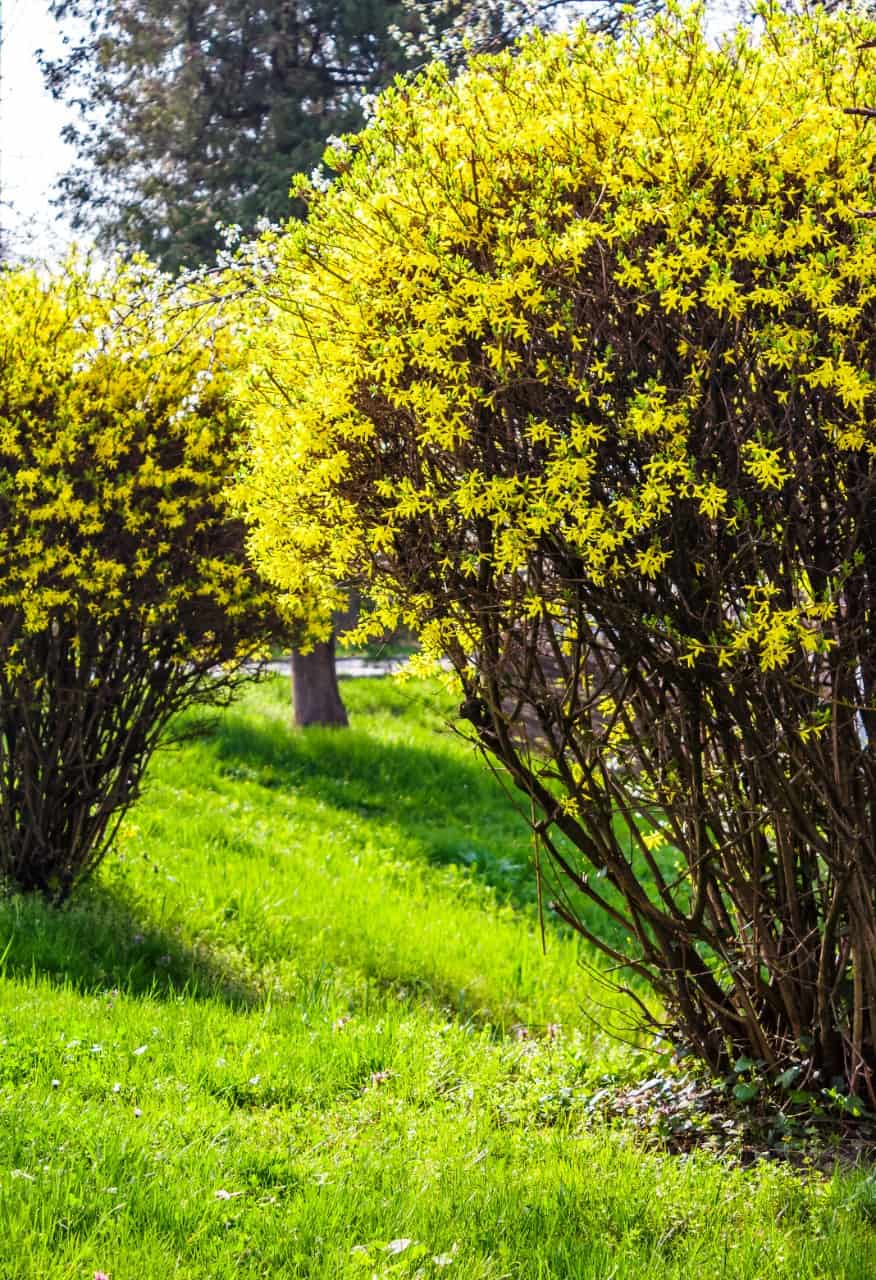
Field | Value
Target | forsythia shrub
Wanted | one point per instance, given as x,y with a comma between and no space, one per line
573,366
123,578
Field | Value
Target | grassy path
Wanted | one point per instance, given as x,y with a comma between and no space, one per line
277,1039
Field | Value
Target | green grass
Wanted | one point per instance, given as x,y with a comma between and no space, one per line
276,1039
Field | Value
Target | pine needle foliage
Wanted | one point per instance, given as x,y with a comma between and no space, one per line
186,113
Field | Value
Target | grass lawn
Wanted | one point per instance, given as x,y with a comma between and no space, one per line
280,1036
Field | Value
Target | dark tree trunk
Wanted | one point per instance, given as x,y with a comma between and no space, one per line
315,695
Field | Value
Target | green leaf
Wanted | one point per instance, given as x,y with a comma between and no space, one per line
744,1092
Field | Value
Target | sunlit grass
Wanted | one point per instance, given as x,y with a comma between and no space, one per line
281,1037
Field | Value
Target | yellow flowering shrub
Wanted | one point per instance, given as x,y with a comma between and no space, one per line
573,368
123,576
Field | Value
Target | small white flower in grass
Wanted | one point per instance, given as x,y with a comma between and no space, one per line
141,1050
117,1088
254,1079
137,1111
398,1246
222,1194
56,1084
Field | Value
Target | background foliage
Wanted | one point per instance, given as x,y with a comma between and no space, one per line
192,113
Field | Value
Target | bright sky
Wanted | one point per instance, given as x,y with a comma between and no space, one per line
32,155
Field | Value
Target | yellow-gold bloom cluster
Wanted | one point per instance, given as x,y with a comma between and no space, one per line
117,437
574,365
540,292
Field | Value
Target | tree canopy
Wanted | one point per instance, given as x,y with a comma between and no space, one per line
192,112
454,29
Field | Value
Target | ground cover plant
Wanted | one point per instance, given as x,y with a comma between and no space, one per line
572,368
279,1035
125,593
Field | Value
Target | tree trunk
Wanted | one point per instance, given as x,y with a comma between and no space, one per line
315,695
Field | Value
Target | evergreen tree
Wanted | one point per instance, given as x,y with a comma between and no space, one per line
195,112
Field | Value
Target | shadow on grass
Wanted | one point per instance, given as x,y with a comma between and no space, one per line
99,942
433,803
452,810
448,807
